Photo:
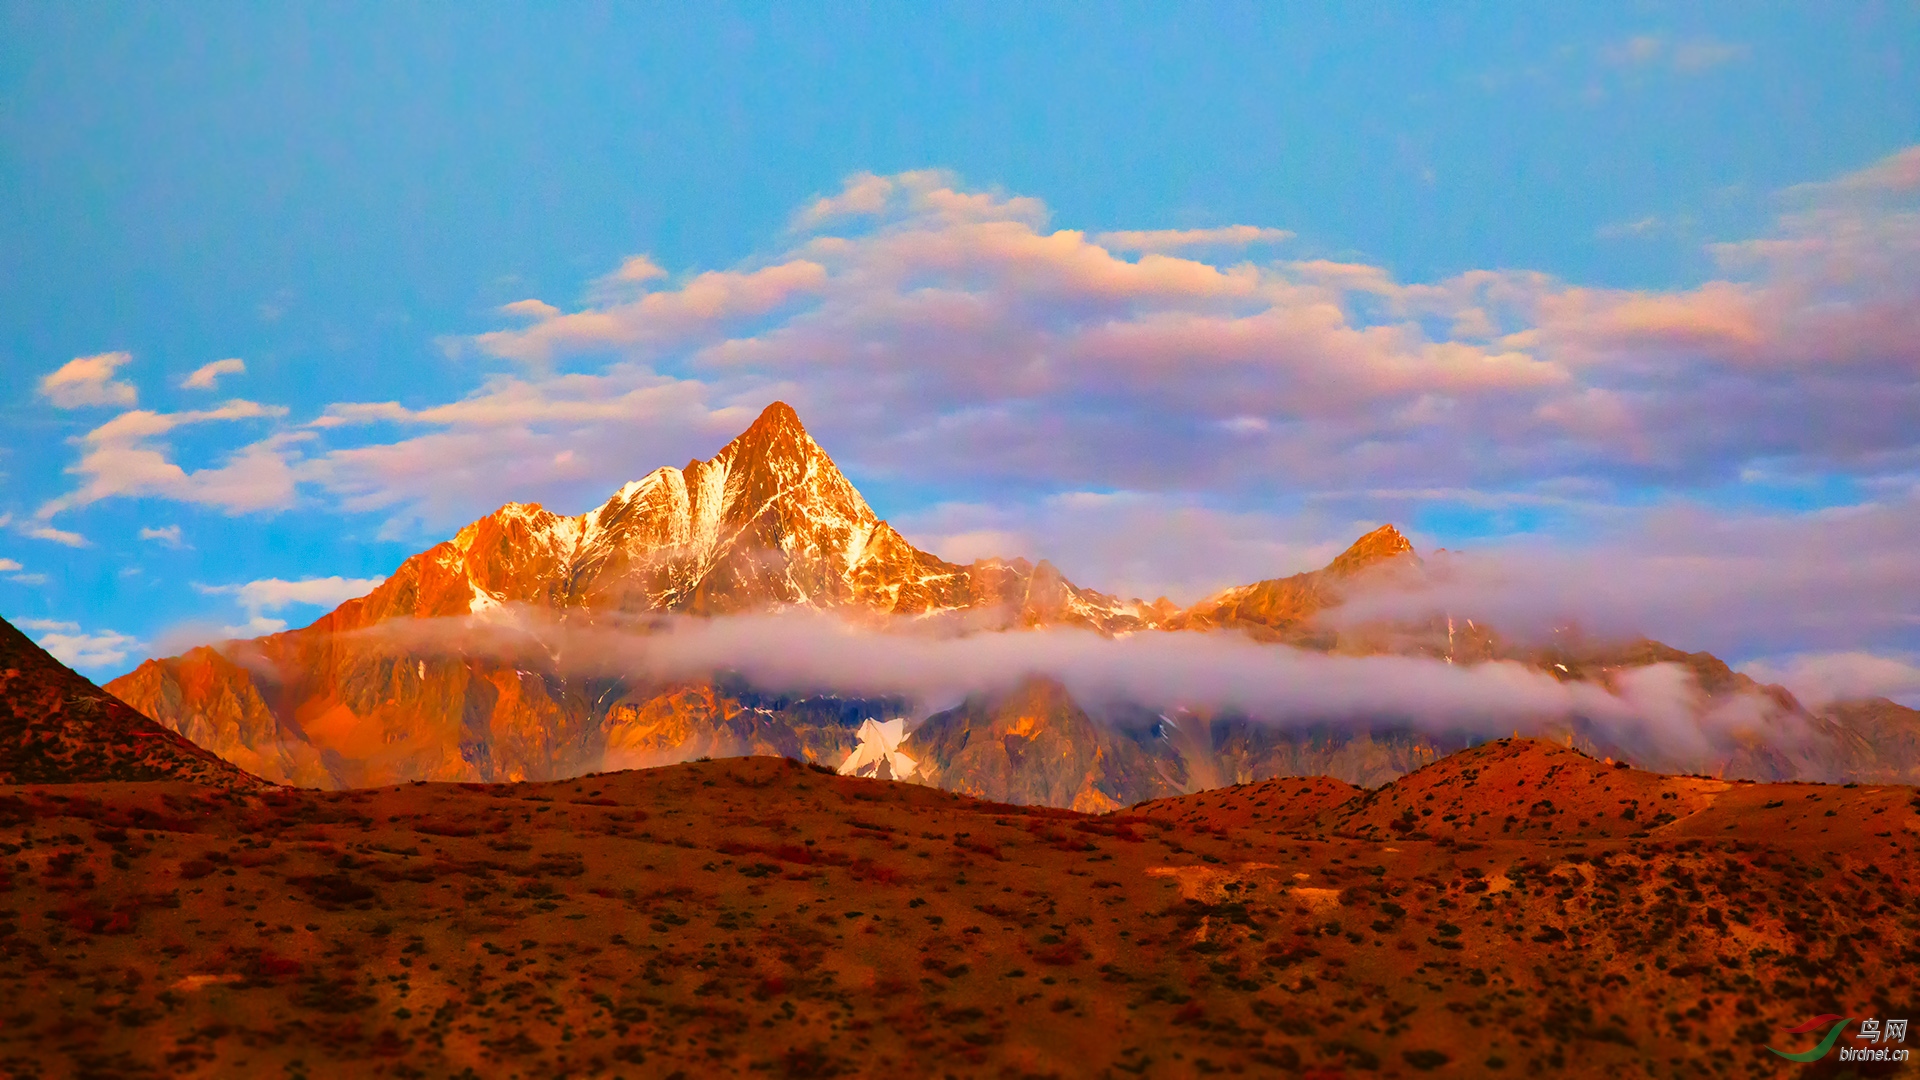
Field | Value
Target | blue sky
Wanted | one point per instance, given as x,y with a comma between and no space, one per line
1667,219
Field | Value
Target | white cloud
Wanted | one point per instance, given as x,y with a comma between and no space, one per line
78,649
88,380
255,626
927,195
1704,53
1735,584
699,310
28,579
207,376
863,194
952,337
8,565
276,594
272,594
1895,174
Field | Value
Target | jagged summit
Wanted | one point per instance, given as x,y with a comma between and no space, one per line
767,522
1283,609
1376,547
777,427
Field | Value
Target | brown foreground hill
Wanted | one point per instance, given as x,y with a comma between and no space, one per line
57,728
1515,909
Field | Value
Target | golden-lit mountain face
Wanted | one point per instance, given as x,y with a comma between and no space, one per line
771,524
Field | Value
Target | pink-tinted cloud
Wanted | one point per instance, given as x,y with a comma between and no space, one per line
1137,544
697,310
207,376
951,333
570,438
89,380
1739,585
121,458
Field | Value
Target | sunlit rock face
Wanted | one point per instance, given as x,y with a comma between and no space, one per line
769,524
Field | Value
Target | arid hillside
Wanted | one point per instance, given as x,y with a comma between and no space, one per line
57,728
758,917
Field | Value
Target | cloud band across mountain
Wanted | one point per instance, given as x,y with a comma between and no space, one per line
938,663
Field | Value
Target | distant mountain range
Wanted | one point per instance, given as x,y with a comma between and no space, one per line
770,523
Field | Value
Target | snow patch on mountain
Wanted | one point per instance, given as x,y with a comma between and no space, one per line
877,754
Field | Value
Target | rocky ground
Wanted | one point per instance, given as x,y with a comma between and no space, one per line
757,917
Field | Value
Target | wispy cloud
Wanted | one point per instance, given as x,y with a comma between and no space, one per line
1173,239
207,376
659,320
1896,174
1646,226
58,536
1688,56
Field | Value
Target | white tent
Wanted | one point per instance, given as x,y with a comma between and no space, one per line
878,752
